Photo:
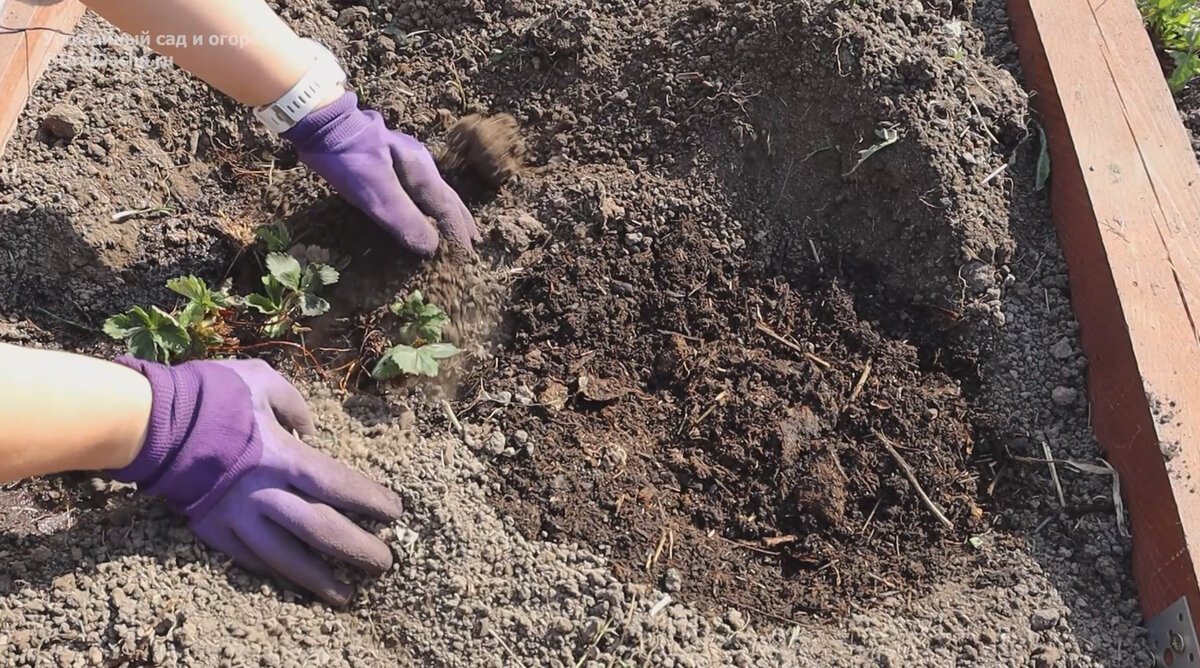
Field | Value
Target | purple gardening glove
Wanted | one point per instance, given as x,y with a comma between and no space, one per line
388,175
219,448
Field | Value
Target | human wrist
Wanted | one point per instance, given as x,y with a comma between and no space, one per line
320,84
200,435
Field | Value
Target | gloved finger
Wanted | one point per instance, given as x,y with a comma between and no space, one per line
326,530
421,179
329,481
226,542
289,406
407,224
288,557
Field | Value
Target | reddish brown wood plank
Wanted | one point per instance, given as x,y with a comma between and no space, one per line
1125,192
23,55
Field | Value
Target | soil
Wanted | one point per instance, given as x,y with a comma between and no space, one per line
700,315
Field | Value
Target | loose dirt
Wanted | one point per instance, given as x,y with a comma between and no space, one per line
752,246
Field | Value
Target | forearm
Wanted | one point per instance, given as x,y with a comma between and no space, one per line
255,71
63,412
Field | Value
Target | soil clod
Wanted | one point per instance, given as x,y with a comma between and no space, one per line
482,153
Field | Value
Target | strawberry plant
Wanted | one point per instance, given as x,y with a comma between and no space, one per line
423,321
290,291
152,335
421,348
186,333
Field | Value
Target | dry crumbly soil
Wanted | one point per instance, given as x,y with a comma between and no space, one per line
700,317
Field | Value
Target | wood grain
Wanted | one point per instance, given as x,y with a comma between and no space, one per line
25,53
1125,192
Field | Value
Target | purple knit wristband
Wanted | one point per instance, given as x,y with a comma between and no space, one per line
201,437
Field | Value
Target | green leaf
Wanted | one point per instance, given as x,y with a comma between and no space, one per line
1187,65
167,331
189,286
173,339
327,274
430,328
120,326
153,335
263,304
276,327
440,351
1043,163
276,237
976,542
312,305
404,359
142,345
285,269
191,314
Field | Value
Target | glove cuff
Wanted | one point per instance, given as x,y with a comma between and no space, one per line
201,438
330,125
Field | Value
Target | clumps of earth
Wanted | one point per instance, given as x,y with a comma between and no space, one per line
481,154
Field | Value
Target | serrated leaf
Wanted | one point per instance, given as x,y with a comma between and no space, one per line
312,305
404,359
173,339
167,330
285,269
275,237
191,287
120,326
276,328
191,314
431,327
327,274
263,304
440,351
400,359
140,316
141,344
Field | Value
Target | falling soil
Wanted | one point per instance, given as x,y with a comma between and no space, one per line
481,154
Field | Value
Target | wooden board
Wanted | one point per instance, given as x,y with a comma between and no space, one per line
1125,192
25,53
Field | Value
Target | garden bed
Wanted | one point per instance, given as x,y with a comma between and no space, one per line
773,273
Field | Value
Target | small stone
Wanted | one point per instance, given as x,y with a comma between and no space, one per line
672,580
1064,396
1046,656
735,619
979,276
494,444
65,121
1043,619
1062,349
352,15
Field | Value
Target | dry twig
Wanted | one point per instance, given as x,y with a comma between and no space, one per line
1054,474
776,541
862,381
912,478
766,329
